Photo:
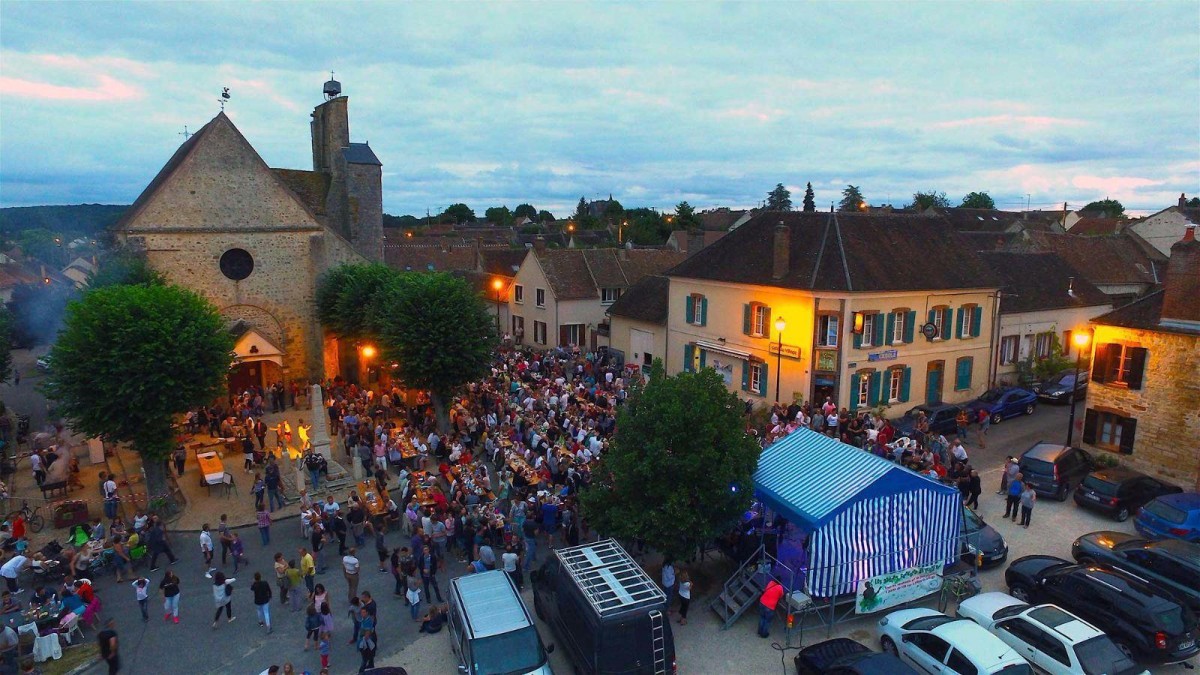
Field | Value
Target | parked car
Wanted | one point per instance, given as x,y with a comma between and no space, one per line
1057,388
1052,640
1120,491
1171,517
491,631
940,415
1004,402
43,363
1172,563
843,656
981,539
935,643
1145,621
1052,468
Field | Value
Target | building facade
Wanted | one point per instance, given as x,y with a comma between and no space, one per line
1161,230
638,323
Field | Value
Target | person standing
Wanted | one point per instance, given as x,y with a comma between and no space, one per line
512,566
974,488
366,640
1011,467
108,647
350,568
1012,503
766,607
111,501
169,587
308,569
238,550
1028,499
529,530
224,537
262,600
264,526
668,581
281,581
274,483
685,595
222,590
206,550
985,422
141,591
180,457
961,420
428,566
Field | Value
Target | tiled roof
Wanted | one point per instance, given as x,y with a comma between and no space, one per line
1039,281
994,220
1092,225
844,252
360,153
502,261
430,257
991,241
577,274
1143,313
311,187
168,170
1111,259
647,300
719,219
682,239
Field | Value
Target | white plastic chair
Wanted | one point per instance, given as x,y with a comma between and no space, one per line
70,626
227,480
28,628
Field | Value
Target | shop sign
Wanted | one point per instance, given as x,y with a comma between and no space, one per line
888,590
790,351
889,355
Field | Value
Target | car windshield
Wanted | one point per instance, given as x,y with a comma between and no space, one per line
1029,464
1098,484
1167,512
517,652
1015,669
1099,656
971,521
991,396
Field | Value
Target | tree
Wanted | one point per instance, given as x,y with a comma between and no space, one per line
439,332
130,360
498,215
1108,208
810,202
581,210
852,199
978,200
779,199
348,299
685,217
646,227
457,213
678,471
5,344
544,216
922,201
125,269
525,211
1194,201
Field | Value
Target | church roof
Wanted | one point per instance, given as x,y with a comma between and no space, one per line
360,153
312,187
167,171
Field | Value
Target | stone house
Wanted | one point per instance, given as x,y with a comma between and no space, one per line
1164,228
255,240
883,310
1144,397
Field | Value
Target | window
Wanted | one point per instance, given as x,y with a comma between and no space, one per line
570,334
609,295
756,320
1120,365
1043,344
863,390
931,644
898,326
539,332
940,317
518,327
1109,430
895,376
1010,349
827,330
961,664
962,372
870,322
758,378
970,319
540,296
518,294
695,307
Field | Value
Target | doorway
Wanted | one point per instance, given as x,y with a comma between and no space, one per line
933,382
245,376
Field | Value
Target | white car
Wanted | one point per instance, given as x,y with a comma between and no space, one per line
1051,638
932,642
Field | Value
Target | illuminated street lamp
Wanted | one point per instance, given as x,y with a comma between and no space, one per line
497,284
368,352
1081,341
780,324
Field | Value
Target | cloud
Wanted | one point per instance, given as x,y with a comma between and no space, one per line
1008,121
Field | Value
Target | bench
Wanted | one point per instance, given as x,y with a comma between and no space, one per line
49,489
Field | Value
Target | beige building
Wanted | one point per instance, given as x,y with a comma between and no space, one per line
1166,227
559,296
638,322
865,321
255,240
1144,396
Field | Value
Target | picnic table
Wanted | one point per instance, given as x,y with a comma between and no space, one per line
373,499
211,467
44,616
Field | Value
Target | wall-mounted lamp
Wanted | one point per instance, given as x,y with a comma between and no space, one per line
858,323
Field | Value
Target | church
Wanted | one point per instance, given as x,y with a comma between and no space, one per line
255,241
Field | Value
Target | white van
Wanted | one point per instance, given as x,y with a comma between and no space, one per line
491,631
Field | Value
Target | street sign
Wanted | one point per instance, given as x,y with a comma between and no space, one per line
790,351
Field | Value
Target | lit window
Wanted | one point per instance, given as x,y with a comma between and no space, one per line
759,320
827,330
864,389
895,378
1043,342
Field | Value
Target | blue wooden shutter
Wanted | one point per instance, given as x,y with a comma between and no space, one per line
879,326
857,339
855,380
932,315
689,354
873,390
910,321
703,357
746,312
762,379
958,321
689,310
976,320
905,381
962,375
948,322
745,376
703,311
891,328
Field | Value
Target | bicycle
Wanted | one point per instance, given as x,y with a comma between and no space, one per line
33,517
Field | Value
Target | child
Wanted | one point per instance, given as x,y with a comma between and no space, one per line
141,591
312,627
238,550
414,600
323,650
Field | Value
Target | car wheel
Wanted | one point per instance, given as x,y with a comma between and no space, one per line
1064,491
889,647
1029,409
997,418
1022,593
1122,515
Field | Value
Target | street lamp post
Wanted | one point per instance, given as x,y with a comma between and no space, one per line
497,284
780,324
1081,341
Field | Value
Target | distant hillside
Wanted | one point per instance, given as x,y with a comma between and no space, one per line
79,219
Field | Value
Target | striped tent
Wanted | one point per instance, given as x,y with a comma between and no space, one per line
863,515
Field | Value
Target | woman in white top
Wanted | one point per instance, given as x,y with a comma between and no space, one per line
222,595
685,595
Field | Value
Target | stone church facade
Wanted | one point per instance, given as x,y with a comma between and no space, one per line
255,240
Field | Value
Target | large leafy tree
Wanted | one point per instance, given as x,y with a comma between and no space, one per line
925,200
125,269
1107,207
498,215
852,199
438,331
679,470
810,201
130,359
685,217
457,213
978,200
545,216
779,199
525,211
347,299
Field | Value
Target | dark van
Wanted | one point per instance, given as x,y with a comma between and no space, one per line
609,615
1054,469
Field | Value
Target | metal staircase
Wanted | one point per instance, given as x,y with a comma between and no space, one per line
743,588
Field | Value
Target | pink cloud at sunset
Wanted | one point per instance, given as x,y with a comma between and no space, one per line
106,88
1034,122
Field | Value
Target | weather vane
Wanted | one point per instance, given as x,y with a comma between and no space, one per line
224,98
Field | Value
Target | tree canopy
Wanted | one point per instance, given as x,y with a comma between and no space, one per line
130,358
347,299
1194,201
525,211
678,470
779,199
810,201
5,344
685,217
925,200
457,213
852,199
978,200
498,215
544,216
125,269
1107,207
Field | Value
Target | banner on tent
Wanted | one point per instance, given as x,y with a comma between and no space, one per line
888,590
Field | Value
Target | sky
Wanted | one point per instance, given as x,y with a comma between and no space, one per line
651,102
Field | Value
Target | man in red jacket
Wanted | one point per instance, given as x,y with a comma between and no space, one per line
766,607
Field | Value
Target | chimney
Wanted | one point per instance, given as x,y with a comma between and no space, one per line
539,244
695,242
1181,297
782,249
1182,199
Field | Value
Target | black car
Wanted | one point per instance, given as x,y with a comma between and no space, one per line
1057,388
1173,564
1052,468
843,656
1120,491
1145,621
981,539
940,415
